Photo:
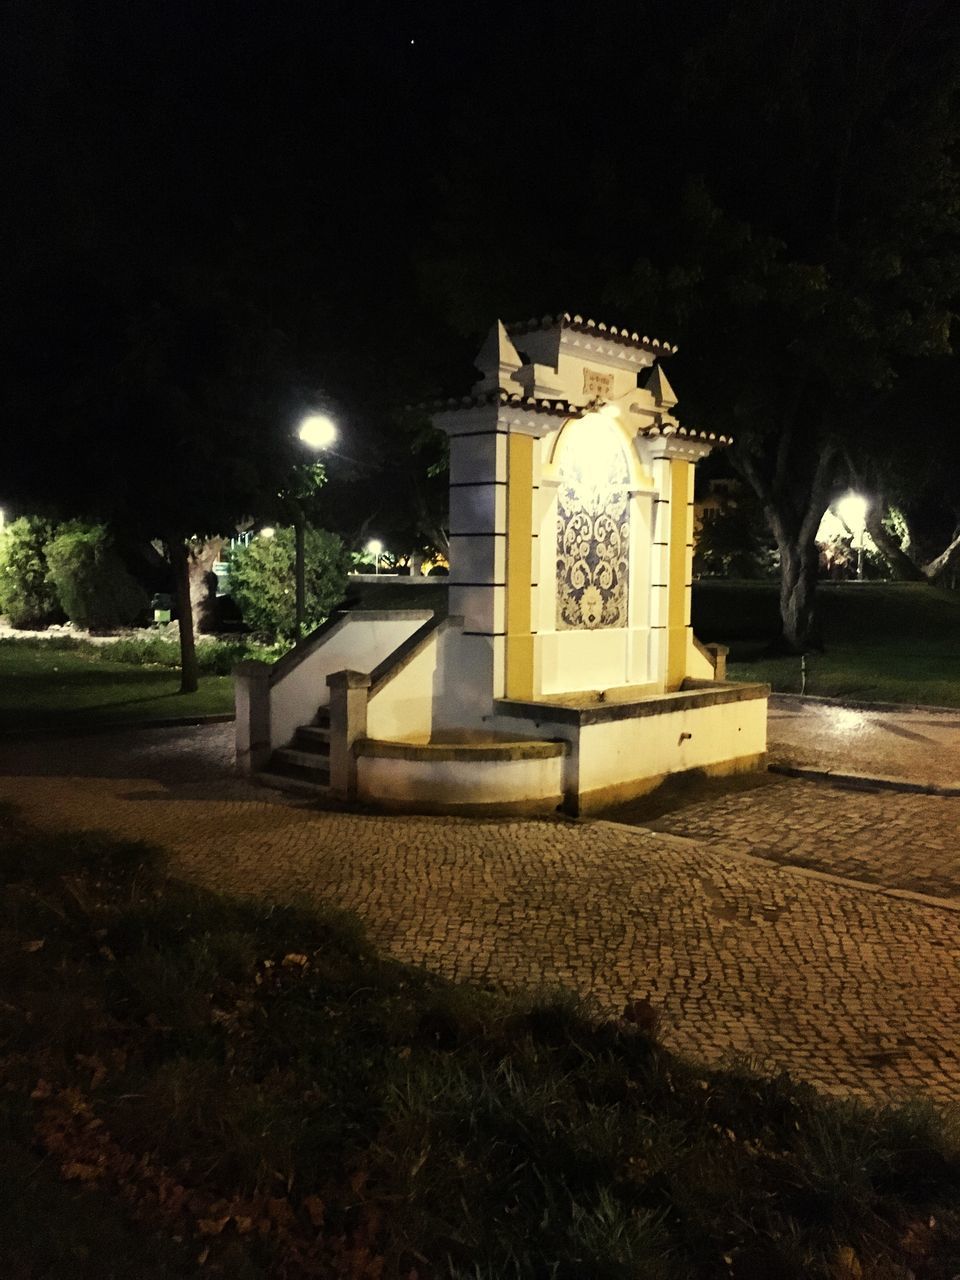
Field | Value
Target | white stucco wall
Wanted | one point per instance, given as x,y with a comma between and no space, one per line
403,708
425,784
619,751
471,667
359,643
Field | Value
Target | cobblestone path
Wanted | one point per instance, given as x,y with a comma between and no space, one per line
896,839
923,746
844,985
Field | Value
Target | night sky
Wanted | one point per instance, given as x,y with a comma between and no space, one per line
379,181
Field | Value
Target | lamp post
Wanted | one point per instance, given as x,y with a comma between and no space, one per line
852,510
317,432
375,547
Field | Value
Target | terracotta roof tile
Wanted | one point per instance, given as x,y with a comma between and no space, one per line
624,337
534,404
690,433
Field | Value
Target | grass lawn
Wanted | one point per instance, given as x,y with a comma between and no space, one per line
191,1085
42,685
883,642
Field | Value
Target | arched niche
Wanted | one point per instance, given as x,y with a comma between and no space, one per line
594,540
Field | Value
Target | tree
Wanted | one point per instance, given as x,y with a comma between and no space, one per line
912,485
93,586
27,596
262,580
792,221
825,260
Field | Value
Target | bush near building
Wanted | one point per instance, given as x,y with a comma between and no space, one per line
93,586
262,580
27,596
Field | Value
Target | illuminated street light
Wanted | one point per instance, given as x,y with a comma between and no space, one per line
268,531
852,510
317,432
375,548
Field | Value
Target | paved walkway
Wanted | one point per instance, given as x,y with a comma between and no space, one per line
922,746
844,985
902,841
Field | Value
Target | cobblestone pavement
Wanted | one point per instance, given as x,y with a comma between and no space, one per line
922,746
846,986
902,841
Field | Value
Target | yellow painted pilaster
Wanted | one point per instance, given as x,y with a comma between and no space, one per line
519,655
681,484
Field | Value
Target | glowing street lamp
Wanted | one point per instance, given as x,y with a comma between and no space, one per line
317,432
375,548
852,510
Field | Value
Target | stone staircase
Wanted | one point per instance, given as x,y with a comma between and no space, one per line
304,765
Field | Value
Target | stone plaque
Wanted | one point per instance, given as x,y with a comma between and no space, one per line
598,386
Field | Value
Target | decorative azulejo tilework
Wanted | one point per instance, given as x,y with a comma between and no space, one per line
593,534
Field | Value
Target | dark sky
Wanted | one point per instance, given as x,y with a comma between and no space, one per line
364,170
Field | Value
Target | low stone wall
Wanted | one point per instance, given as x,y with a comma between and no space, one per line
623,749
466,778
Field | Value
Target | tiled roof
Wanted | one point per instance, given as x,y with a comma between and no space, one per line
690,433
624,337
534,404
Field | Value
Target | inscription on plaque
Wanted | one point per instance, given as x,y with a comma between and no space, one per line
599,386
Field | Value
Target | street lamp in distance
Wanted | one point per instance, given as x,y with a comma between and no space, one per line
317,432
375,548
852,510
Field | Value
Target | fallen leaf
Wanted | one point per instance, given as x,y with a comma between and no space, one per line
76,1171
42,1090
847,1264
280,1211
243,1225
316,1209
211,1226
35,945
295,960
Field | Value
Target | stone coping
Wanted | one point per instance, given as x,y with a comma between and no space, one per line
465,752
696,695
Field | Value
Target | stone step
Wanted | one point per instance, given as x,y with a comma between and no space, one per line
322,719
309,766
311,737
284,782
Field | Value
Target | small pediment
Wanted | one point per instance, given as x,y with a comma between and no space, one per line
659,387
498,358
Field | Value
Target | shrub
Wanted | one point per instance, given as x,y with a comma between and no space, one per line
214,657
93,586
27,597
262,580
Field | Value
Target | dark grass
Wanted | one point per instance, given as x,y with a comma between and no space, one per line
208,1064
45,685
881,642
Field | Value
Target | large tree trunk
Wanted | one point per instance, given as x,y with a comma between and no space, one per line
179,556
902,567
794,518
203,582
798,585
